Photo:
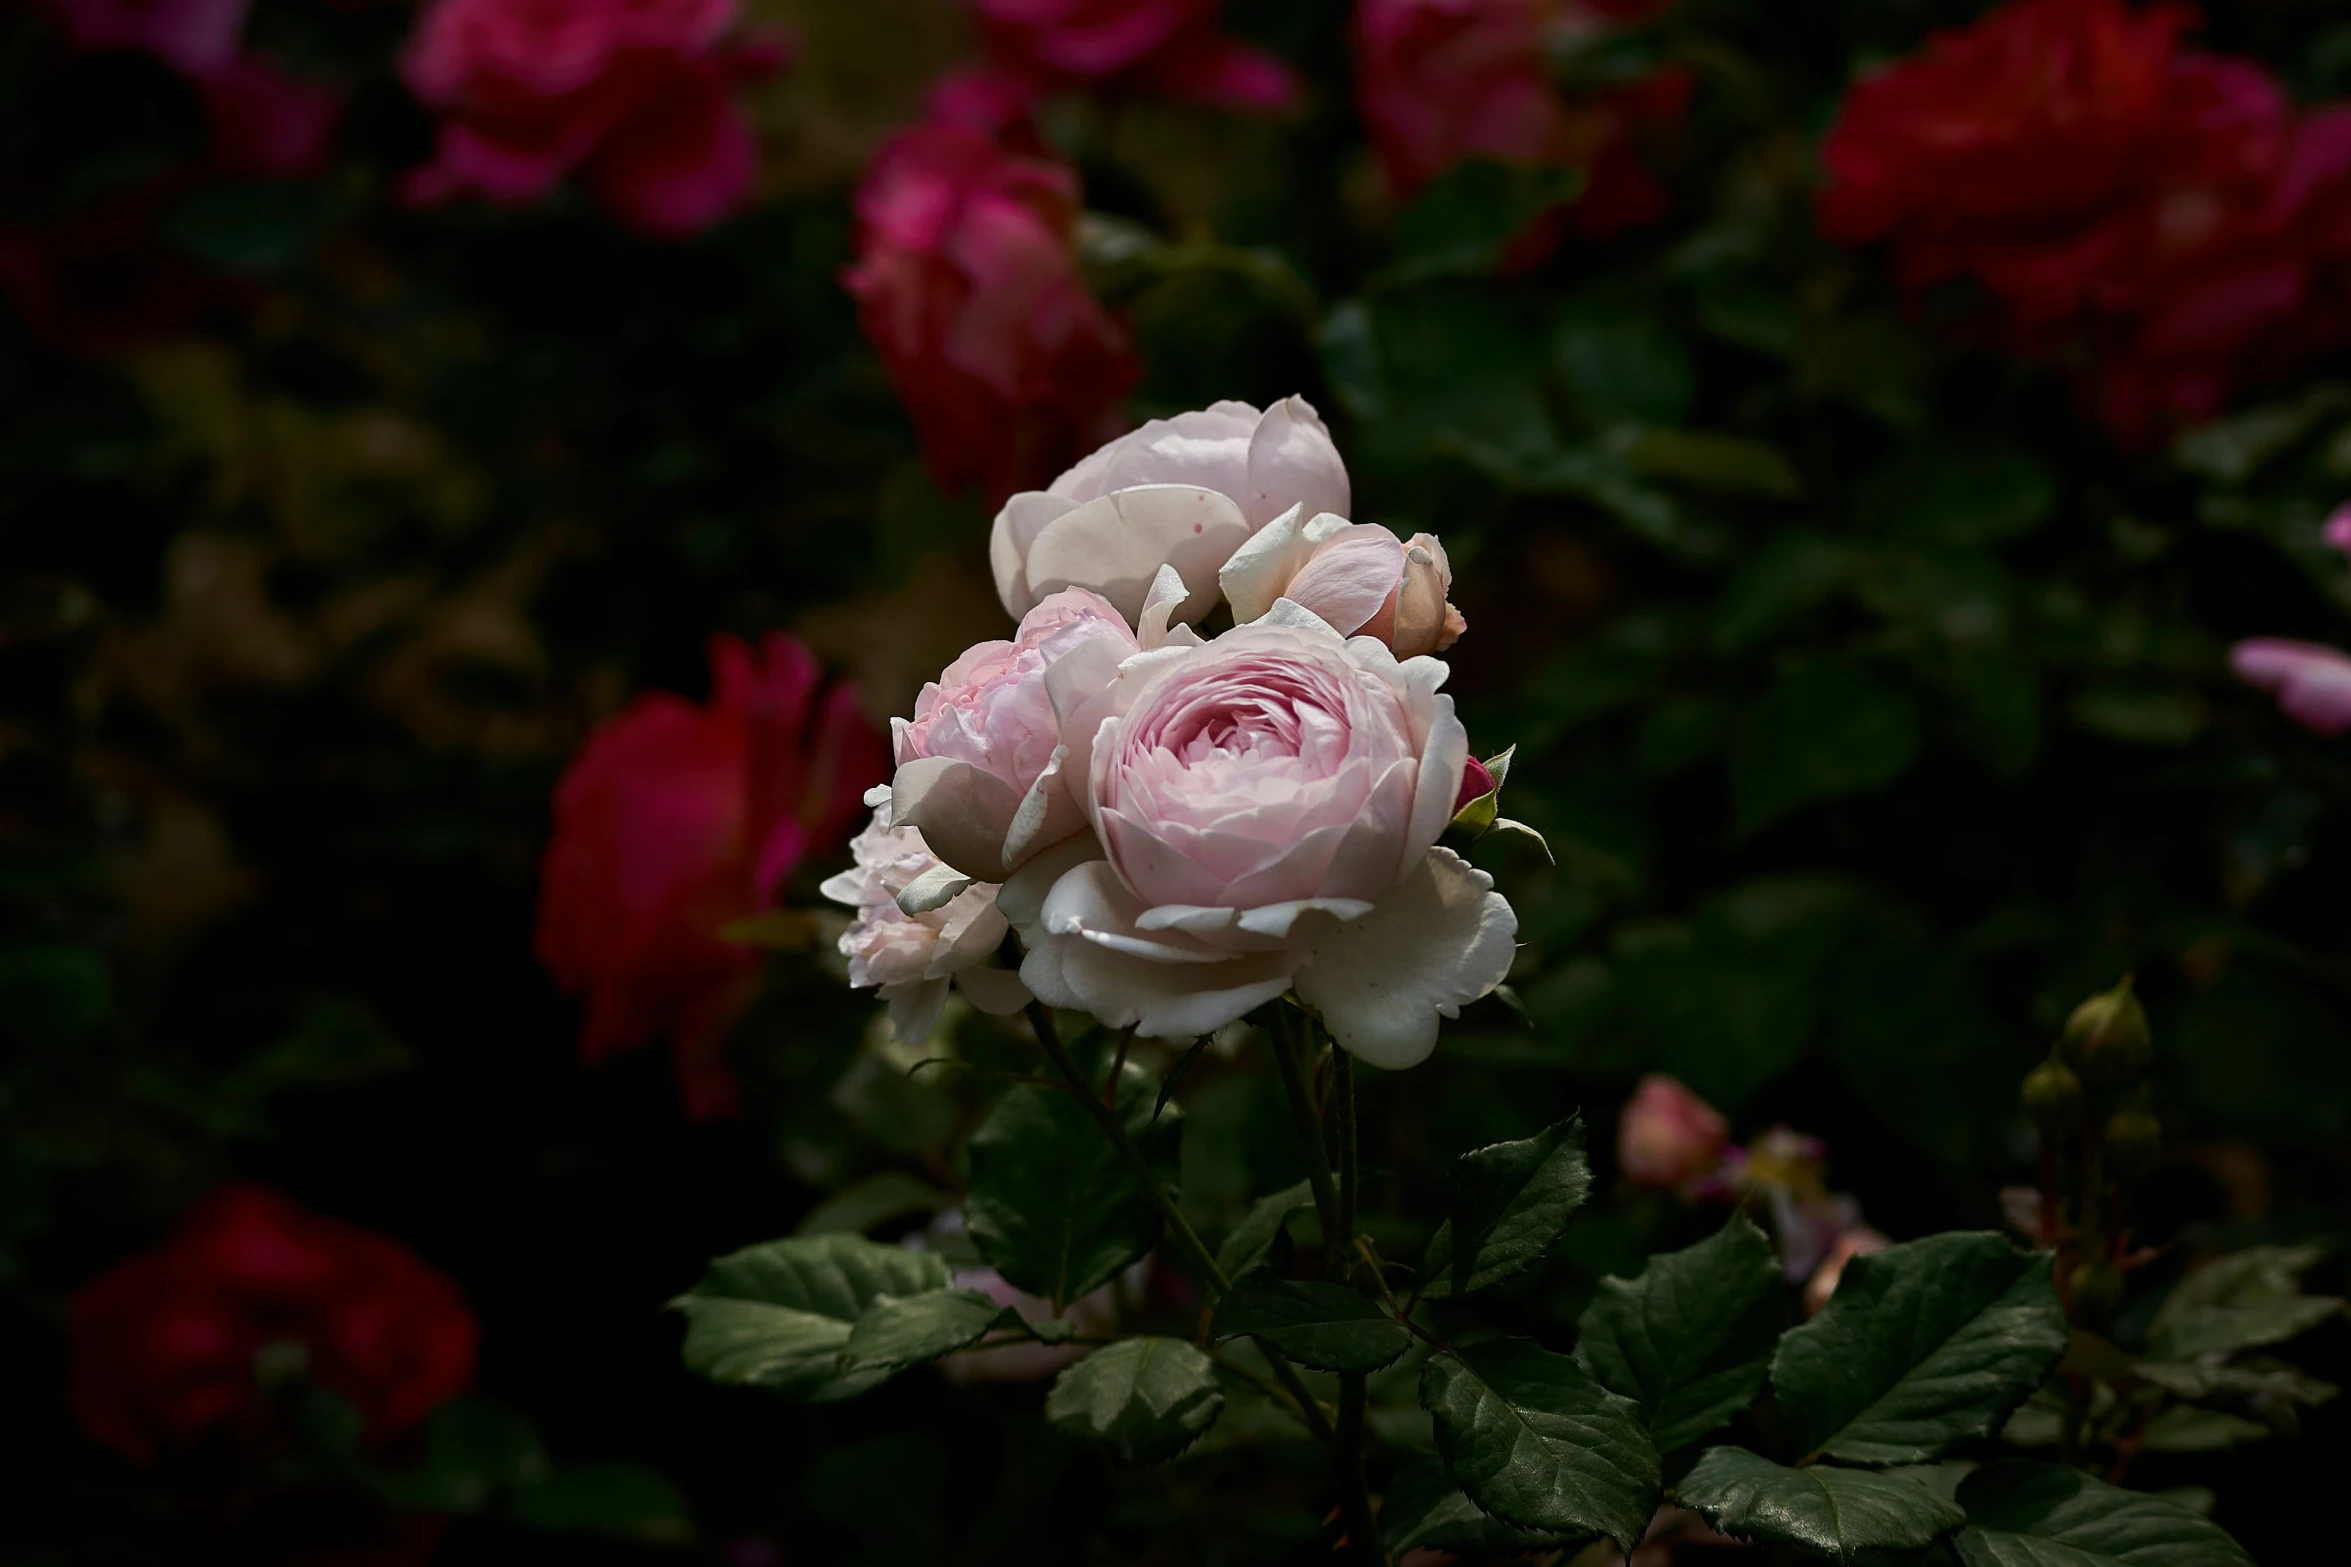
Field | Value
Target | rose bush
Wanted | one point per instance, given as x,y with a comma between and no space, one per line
179,1345
675,820
1173,47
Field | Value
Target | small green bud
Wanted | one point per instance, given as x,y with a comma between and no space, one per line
2095,1292
2133,1138
2106,1039
2053,1098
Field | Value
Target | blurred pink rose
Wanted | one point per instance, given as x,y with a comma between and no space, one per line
1186,492
966,283
976,763
675,820
1786,1172
1669,1137
1268,806
263,121
190,35
1441,82
2338,529
1357,576
911,959
1859,1241
1170,47
637,95
2312,682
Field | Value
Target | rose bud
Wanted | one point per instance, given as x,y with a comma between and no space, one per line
2106,1039
1669,1137
1354,575
1184,492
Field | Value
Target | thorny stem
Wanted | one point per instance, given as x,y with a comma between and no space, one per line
1187,1238
1295,1052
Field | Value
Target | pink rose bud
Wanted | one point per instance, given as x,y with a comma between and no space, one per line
1856,1242
1356,576
1670,1137
2313,683
1476,784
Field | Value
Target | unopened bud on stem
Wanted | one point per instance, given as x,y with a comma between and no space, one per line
2133,1139
2053,1098
2106,1039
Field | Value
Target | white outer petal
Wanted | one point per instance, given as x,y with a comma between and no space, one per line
1016,528
1438,939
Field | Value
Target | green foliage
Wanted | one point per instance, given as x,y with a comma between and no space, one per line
1424,1508
1690,1339
1053,1207
781,1315
1533,1440
1329,1327
1146,1399
1819,1508
1510,1203
1924,1345
2029,1515
1256,1235
895,1334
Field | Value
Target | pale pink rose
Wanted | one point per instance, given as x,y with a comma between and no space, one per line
1266,807
977,769
1859,1241
1355,575
2338,529
1669,1137
1183,492
2312,682
912,958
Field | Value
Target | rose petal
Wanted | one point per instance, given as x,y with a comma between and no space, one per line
1440,938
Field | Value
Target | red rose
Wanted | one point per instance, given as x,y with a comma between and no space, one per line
180,1344
2159,216
1441,82
1171,47
635,94
674,821
966,282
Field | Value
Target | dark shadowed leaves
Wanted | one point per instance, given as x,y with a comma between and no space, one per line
1510,1203
2047,1515
900,1333
1147,1398
779,1315
1829,729
1532,1439
1423,1507
1689,1340
1053,1207
1836,1512
1330,1327
1924,1345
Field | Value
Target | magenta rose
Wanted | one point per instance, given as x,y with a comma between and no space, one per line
2312,682
635,95
967,284
1171,47
1266,808
193,36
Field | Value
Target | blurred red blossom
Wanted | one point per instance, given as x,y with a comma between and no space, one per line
181,1344
1669,1137
675,820
967,283
190,35
2162,216
1441,82
636,95
1170,47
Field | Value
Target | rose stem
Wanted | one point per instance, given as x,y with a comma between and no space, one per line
1212,1277
1354,1494
1291,1056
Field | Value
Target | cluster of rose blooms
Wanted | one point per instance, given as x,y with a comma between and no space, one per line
1181,827
2165,218
1669,1139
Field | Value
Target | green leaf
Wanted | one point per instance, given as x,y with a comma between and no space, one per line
1148,1398
2189,1428
2023,1514
1716,463
1835,1512
1465,219
1923,1345
1620,360
618,1499
1829,729
1178,1072
1423,1507
779,1315
1967,495
1532,1439
2240,1301
1053,1206
472,1451
1330,1327
877,1199
2141,715
1794,574
899,1333
1690,1339
1510,1203
1253,1237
